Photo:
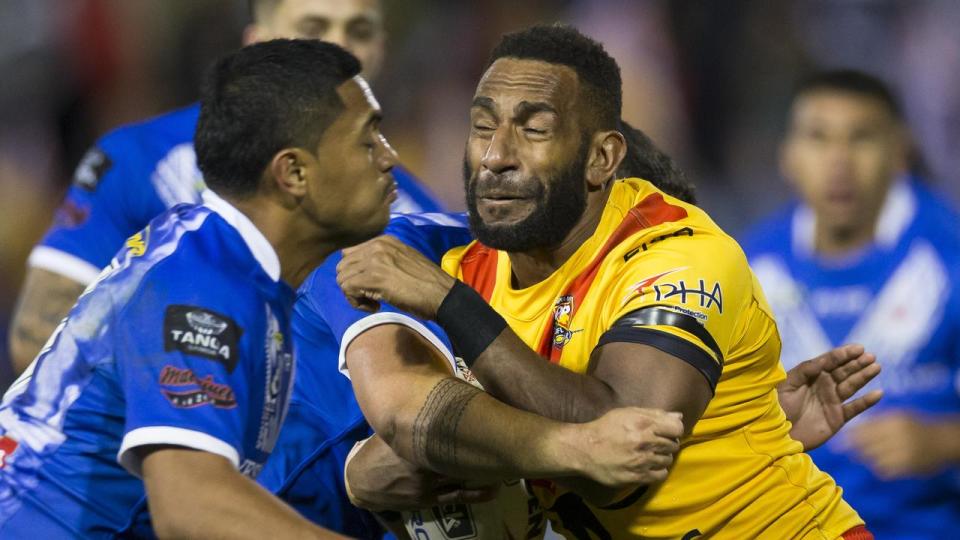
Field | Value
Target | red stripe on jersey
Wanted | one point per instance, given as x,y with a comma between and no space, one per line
650,212
859,532
479,269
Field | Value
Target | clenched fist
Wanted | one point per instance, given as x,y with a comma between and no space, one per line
630,446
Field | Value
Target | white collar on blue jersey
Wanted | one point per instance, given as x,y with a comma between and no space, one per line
255,240
898,211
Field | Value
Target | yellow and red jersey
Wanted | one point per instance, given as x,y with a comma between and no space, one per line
654,262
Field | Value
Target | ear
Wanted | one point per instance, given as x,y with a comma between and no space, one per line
607,150
288,171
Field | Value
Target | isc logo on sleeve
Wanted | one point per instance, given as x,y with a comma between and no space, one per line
201,332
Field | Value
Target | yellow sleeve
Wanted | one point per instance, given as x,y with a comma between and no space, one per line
685,295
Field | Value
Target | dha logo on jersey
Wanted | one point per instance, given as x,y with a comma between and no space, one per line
278,378
201,332
643,286
137,244
697,292
184,390
562,317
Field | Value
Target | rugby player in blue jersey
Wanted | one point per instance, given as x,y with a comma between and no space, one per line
166,385
170,379
870,254
137,171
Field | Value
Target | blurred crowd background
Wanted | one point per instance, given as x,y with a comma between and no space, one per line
708,80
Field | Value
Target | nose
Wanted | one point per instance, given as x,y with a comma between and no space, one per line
337,36
387,157
500,155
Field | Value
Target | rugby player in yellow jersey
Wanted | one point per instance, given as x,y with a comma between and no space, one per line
633,297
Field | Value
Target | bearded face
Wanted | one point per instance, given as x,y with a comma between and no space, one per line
514,212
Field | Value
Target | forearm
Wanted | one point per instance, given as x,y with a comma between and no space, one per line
408,395
456,429
192,494
509,370
45,300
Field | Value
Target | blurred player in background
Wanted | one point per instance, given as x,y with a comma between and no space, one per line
870,254
136,172
168,382
634,298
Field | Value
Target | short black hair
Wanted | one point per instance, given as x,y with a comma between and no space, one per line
644,160
562,44
853,82
264,98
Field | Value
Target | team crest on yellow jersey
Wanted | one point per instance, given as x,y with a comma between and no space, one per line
137,244
562,317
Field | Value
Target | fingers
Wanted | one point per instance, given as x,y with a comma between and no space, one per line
667,424
806,372
857,406
853,382
853,365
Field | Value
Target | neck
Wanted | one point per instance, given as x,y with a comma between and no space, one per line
835,241
532,267
298,250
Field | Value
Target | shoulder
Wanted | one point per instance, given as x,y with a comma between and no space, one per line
176,125
433,234
137,150
192,248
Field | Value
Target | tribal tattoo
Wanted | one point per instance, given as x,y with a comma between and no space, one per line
435,428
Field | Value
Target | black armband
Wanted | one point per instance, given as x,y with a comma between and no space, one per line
470,323
633,328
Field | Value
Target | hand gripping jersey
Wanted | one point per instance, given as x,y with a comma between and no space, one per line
132,175
658,271
325,421
900,298
183,340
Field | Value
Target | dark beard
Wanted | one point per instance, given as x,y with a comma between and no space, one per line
559,207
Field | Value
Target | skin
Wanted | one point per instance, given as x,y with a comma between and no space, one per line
293,212
355,25
519,139
842,153
180,482
525,119
407,393
45,299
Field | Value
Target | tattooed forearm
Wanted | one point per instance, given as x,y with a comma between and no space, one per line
44,301
435,428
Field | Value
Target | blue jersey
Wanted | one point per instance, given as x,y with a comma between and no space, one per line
132,175
899,297
325,421
161,349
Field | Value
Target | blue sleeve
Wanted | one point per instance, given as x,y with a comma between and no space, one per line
432,234
185,363
111,198
413,196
